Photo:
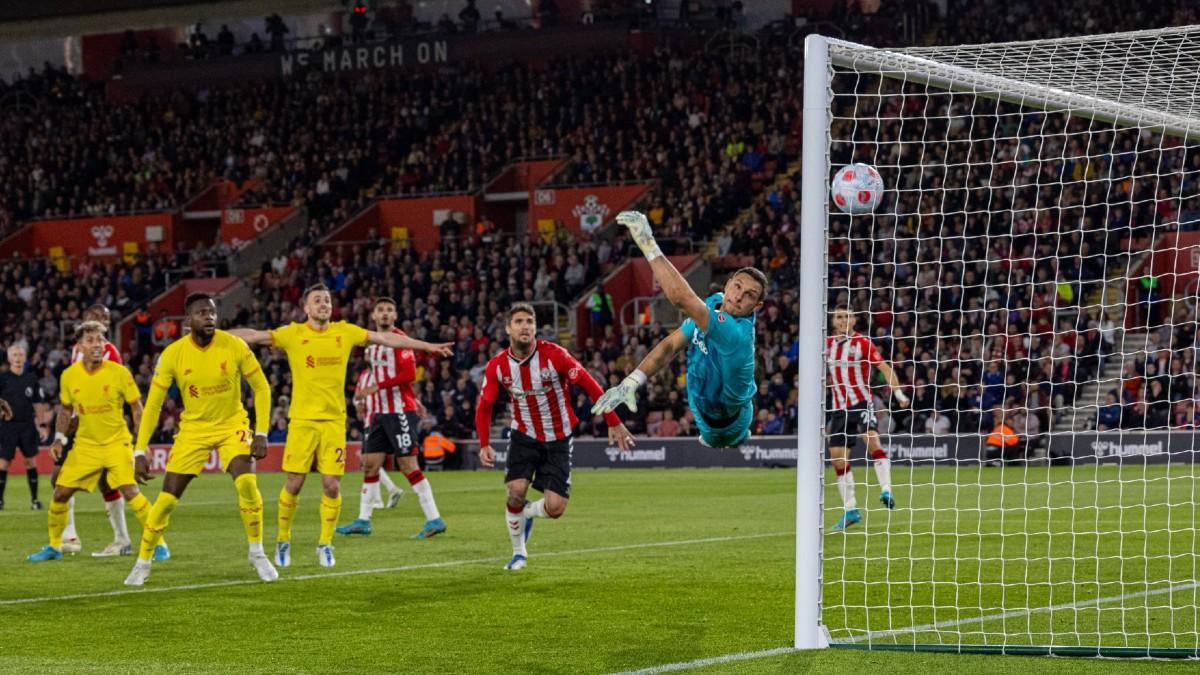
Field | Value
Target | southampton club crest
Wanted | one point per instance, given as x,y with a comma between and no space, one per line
591,213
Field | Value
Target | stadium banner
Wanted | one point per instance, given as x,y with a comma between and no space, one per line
580,210
103,237
659,453
242,226
1125,447
433,51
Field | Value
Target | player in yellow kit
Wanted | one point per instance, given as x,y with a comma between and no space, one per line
208,366
96,390
317,352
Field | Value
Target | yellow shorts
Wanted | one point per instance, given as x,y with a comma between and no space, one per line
320,445
85,463
191,450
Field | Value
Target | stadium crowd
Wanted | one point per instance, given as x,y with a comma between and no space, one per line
991,316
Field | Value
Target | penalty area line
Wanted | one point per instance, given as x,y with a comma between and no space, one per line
388,570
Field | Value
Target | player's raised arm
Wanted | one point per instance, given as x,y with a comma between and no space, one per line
257,338
656,360
397,341
674,286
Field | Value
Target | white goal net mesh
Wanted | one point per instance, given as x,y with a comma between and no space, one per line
1031,276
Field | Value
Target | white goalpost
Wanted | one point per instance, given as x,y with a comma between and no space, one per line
1032,275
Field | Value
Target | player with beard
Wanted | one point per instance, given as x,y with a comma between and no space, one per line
208,366
537,375
318,352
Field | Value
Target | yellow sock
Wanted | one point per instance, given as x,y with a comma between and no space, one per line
331,508
288,503
156,524
251,504
58,522
140,507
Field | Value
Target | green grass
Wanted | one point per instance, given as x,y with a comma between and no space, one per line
712,575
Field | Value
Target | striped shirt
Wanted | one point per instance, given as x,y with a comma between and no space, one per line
848,361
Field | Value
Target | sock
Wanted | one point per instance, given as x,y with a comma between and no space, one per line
116,515
156,524
140,507
250,503
845,481
331,508
3,482
69,532
31,475
57,522
515,520
370,492
535,509
424,492
883,469
288,503
387,482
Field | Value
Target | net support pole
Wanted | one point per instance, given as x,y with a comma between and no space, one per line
810,454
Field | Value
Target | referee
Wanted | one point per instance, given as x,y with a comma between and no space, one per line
19,388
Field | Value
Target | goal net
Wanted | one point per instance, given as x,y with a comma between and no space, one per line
1031,276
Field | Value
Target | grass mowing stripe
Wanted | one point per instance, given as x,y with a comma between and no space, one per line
1019,613
386,570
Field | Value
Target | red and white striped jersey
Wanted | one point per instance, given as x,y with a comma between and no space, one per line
394,371
366,379
540,389
110,353
849,361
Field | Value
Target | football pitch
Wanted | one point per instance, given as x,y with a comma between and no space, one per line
648,568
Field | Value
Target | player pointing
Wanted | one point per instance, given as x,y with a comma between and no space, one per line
719,336
318,351
850,356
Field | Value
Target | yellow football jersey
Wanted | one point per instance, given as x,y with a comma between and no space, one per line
209,381
318,362
99,399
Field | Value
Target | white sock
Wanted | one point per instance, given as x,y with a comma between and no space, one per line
883,472
366,503
424,493
846,489
388,483
69,531
516,530
116,518
535,509
256,549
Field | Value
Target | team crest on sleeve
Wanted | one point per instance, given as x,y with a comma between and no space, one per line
720,316
574,373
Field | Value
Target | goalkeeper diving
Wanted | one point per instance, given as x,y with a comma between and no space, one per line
719,336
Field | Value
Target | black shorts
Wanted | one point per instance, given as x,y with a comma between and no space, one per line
548,464
845,426
393,434
15,435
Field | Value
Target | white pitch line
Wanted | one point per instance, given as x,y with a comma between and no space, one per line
714,661
1012,614
386,570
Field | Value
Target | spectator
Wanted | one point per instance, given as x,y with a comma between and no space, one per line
1108,416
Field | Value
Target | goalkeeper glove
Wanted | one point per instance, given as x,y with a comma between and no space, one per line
639,228
626,393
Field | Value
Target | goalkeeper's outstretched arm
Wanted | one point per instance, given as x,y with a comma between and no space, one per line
674,286
656,360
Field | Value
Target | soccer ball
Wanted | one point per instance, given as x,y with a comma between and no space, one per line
857,189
